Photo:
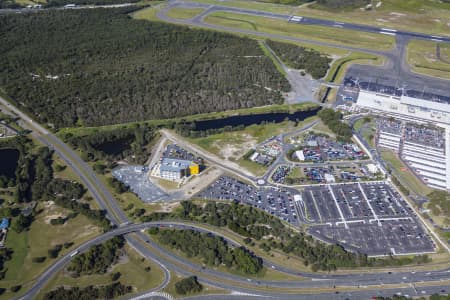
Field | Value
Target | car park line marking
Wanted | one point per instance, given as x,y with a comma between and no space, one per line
315,205
337,205
368,203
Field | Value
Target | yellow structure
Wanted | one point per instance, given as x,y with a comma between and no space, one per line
194,169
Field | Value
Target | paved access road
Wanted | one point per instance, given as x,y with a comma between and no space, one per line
186,268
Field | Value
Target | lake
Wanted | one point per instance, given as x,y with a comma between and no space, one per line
114,147
8,162
247,120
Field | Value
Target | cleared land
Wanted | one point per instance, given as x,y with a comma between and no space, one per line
41,237
131,266
320,33
184,13
234,145
423,59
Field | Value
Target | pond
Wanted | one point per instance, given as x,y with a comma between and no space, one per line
114,147
8,162
247,120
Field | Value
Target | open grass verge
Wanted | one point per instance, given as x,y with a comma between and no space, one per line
404,175
340,66
184,13
422,58
132,267
313,32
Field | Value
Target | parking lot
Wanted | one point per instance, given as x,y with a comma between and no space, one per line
275,201
136,178
393,237
370,217
428,136
299,175
176,152
365,202
319,148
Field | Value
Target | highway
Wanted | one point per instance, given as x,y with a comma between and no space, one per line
181,266
165,259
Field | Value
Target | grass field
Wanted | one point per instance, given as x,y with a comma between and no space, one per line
427,16
422,58
406,177
184,13
131,267
340,66
445,52
148,13
41,237
319,33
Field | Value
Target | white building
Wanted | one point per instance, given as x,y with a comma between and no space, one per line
300,155
405,107
429,163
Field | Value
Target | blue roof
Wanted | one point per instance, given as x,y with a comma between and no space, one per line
4,224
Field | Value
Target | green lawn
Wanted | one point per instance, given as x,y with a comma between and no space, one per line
319,33
131,267
422,58
184,13
148,13
340,66
406,177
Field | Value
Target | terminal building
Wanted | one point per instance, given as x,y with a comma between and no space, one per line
175,169
430,162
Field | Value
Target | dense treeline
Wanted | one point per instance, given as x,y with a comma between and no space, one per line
339,4
98,258
5,255
256,224
8,4
332,119
100,66
116,144
213,250
310,60
188,285
112,291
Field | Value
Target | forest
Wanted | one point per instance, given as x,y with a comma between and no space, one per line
301,58
98,258
99,66
213,250
116,144
258,225
112,291
188,285
332,119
